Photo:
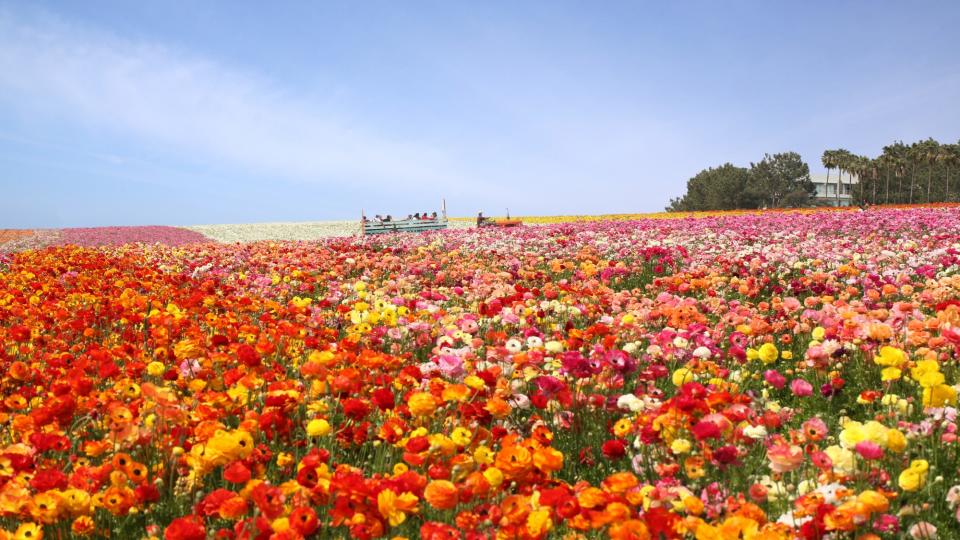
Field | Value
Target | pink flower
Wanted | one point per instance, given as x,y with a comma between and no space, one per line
869,450
815,429
923,531
451,366
801,388
784,457
775,379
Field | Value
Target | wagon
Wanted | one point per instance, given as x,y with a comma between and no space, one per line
369,227
491,222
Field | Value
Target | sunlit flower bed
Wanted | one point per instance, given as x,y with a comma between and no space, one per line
20,239
116,236
770,376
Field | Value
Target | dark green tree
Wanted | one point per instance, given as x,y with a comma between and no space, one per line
719,188
781,180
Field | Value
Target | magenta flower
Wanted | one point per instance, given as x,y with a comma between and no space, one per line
869,450
801,388
775,379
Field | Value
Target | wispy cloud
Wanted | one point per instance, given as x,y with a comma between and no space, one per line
203,109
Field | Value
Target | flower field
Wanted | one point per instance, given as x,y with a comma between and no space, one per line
714,377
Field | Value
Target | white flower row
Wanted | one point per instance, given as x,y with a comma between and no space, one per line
305,230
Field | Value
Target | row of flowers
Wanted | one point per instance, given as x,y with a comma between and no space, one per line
762,376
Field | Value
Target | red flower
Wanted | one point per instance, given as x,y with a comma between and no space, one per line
185,528
248,355
269,499
304,520
354,408
210,504
384,398
236,473
614,449
433,530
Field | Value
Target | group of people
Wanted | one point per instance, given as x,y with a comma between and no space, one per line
410,217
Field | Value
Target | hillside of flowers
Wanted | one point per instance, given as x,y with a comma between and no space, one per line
744,376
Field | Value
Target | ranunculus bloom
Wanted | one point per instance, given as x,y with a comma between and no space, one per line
441,494
785,458
801,388
422,403
869,450
185,528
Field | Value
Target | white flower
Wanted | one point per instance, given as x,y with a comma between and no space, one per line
514,346
755,432
702,352
554,346
630,402
520,401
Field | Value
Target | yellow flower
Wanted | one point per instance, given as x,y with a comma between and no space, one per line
896,441
924,367
474,382
422,403
939,395
890,356
29,531
483,455
539,522
494,476
155,369
622,427
321,357
318,427
819,333
852,434
280,525
875,432
768,353
890,374
914,477
395,507
461,436
682,376
680,446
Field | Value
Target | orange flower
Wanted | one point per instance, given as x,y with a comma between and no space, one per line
548,459
514,460
619,482
233,508
631,529
442,494
422,403
497,407
117,500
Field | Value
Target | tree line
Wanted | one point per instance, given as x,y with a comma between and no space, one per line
921,172
780,180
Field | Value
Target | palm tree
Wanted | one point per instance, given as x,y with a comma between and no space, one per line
915,155
931,151
885,162
949,156
896,159
829,161
843,160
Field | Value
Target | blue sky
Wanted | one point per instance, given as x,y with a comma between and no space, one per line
117,113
